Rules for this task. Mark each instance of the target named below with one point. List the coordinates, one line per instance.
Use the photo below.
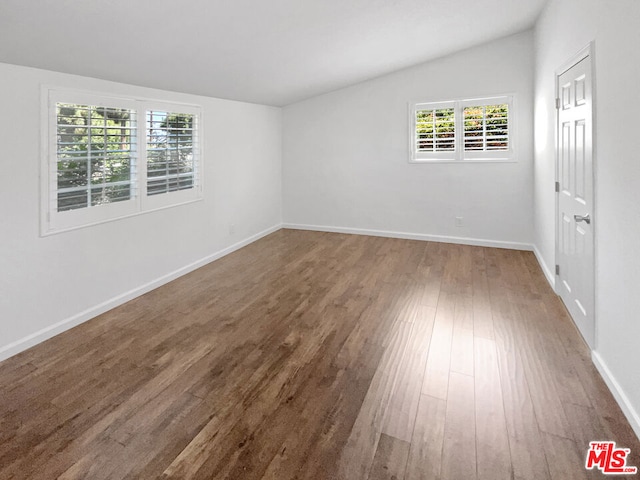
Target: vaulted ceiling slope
(273, 52)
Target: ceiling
(272, 52)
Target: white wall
(345, 154)
(48, 284)
(563, 29)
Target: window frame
(53, 221)
(421, 156)
(459, 155)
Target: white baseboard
(551, 278)
(618, 393)
(479, 242)
(29, 341)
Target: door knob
(580, 218)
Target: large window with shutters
(479, 129)
(109, 158)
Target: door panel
(575, 248)
(566, 159)
(580, 190)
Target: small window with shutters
(470, 130)
(108, 158)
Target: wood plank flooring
(313, 355)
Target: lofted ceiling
(272, 52)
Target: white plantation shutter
(435, 130)
(96, 156)
(171, 152)
(434, 133)
(486, 127)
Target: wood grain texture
(425, 455)
(390, 461)
(459, 446)
(492, 440)
(324, 356)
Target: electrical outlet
(459, 222)
(232, 229)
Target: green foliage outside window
(95, 149)
(486, 128)
(435, 130)
(170, 161)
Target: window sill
(48, 230)
(476, 160)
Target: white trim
(478, 242)
(114, 219)
(583, 53)
(548, 273)
(18, 346)
(618, 393)
(477, 160)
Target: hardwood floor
(318, 356)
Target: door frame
(587, 51)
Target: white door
(575, 227)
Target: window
(486, 128)
(463, 130)
(170, 160)
(435, 129)
(109, 158)
(95, 148)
